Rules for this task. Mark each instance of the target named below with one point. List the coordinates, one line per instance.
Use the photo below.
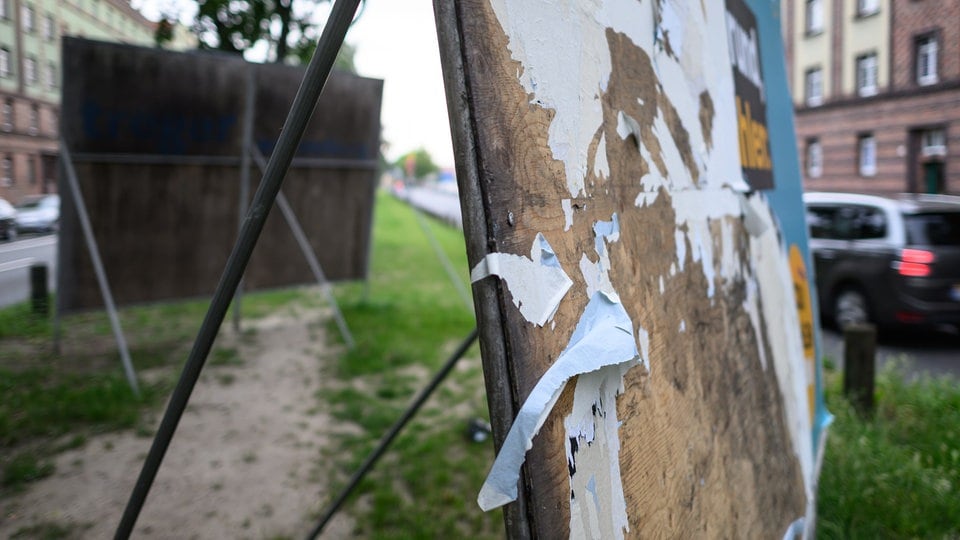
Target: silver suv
(892, 261)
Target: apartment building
(30, 32)
(876, 88)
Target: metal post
(39, 302)
(303, 105)
(98, 266)
(444, 260)
(304, 243)
(392, 434)
(248, 112)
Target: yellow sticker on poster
(801, 290)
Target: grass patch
(23, 468)
(20, 320)
(406, 325)
(896, 475)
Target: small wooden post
(859, 360)
(38, 290)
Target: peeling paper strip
(603, 337)
(537, 284)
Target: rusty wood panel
(705, 449)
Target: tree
(417, 163)
(286, 26)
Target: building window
(868, 155)
(8, 114)
(927, 48)
(814, 158)
(814, 13)
(6, 171)
(4, 12)
(30, 70)
(32, 170)
(4, 62)
(48, 26)
(34, 119)
(51, 76)
(867, 75)
(814, 87)
(933, 142)
(867, 7)
(28, 22)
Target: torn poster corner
(537, 284)
(603, 337)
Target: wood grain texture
(704, 449)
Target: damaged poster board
(632, 210)
(157, 139)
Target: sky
(397, 42)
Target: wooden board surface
(706, 422)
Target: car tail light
(915, 262)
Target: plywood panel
(604, 140)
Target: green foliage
(421, 160)
(896, 475)
(19, 320)
(23, 468)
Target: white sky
(395, 41)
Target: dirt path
(246, 461)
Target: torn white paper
(603, 337)
(537, 284)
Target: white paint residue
(662, 286)
(646, 198)
(537, 284)
(567, 207)
(597, 505)
(627, 126)
(681, 239)
(751, 304)
(601, 167)
(597, 274)
(603, 337)
(683, 326)
(771, 269)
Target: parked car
(38, 213)
(891, 261)
(8, 221)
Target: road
(934, 353)
(441, 204)
(15, 261)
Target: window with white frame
(4, 13)
(28, 18)
(867, 7)
(814, 87)
(814, 16)
(867, 74)
(48, 27)
(51, 76)
(933, 142)
(34, 119)
(4, 62)
(6, 171)
(868, 154)
(814, 158)
(30, 70)
(927, 48)
(7, 114)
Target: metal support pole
(98, 266)
(392, 434)
(300, 112)
(307, 250)
(248, 112)
(444, 260)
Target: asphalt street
(16, 258)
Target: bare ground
(247, 460)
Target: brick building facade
(876, 86)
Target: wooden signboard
(630, 217)
(157, 139)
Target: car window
(820, 220)
(933, 228)
(869, 223)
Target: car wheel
(850, 306)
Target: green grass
(896, 475)
(406, 326)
